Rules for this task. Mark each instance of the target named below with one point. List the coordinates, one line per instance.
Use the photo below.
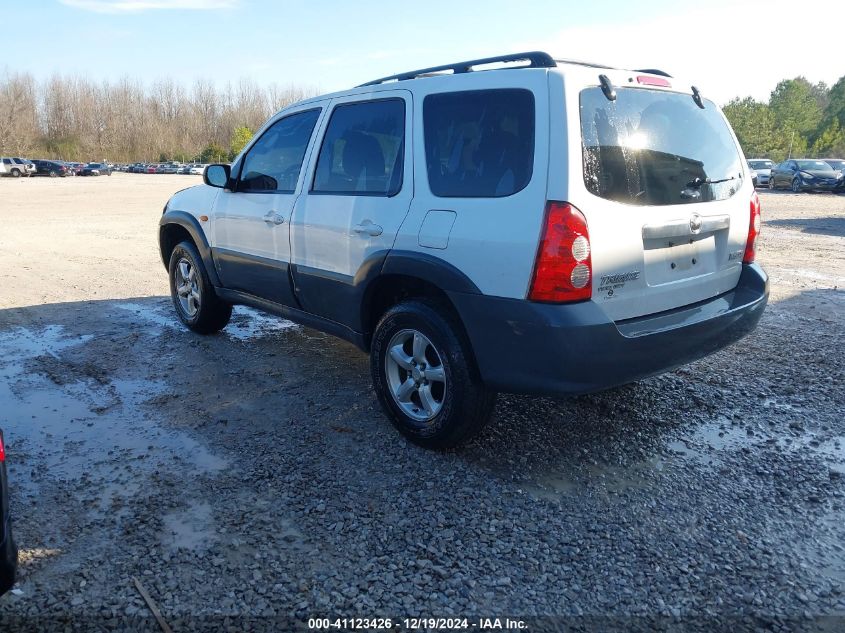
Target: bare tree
(74, 118)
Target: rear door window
(362, 152)
(651, 147)
(479, 143)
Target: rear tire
(425, 377)
(196, 303)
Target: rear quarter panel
(492, 240)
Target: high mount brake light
(563, 269)
(753, 230)
(653, 81)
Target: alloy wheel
(416, 375)
(187, 287)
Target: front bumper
(535, 348)
(818, 186)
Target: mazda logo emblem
(695, 223)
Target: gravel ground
(252, 475)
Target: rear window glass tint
(480, 143)
(651, 147)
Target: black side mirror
(216, 175)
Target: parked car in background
(96, 169)
(151, 169)
(167, 169)
(838, 164)
(763, 167)
(8, 549)
(16, 167)
(197, 169)
(753, 174)
(804, 174)
(184, 169)
(52, 168)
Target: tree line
(78, 119)
(800, 119)
(75, 118)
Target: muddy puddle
(64, 421)
(246, 323)
(709, 445)
(712, 443)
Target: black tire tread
(214, 314)
(474, 405)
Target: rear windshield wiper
(697, 182)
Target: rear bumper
(525, 347)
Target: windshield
(836, 164)
(814, 165)
(760, 164)
(651, 147)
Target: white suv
(545, 227)
(15, 167)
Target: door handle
(368, 228)
(274, 218)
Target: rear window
(479, 143)
(651, 147)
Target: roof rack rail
(537, 59)
(653, 71)
(579, 62)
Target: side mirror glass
(216, 175)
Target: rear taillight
(2, 449)
(563, 270)
(753, 230)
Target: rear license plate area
(668, 260)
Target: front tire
(16, 173)
(194, 299)
(425, 377)
(796, 185)
(771, 184)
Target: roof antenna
(607, 88)
(696, 96)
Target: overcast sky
(725, 48)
